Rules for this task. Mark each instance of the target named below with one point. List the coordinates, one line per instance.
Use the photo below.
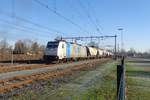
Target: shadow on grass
(138, 73)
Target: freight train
(63, 51)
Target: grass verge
(138, 81)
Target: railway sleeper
(37, 77)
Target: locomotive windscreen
(52, 44)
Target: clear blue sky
(132, 15)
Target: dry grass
(19, 57)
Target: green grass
(138, 81)
(105, 91)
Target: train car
(82, 53)
(100, 53)
(93, 51)
(55, 50)
(62, 50)
(107, 53)
(104, 53)
(110, 54)
(76, 51)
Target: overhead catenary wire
(96, 19)
(23, 26)
(25, 35)
(24, 29)
(98, 26)
(89, 16)
(78, 13)
(31, 22)
(60, 15)
(55, 6)
(13, 7)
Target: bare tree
(20, 47)
(28, 43)
(4, 45)
(4, 49)
(35, 47)
(131, 52)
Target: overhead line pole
(122, 44)
(115, 47)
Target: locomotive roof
(74, 43)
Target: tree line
(30, 47)
(133, 53)
(21, 47)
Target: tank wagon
(62, 51)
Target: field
(138, 79)
(98, 82)
(83, 80)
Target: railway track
(23, 67)
(10, 68)
(20, 81)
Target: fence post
(122, 61)
(121, 81)
(119, 72)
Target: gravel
(38, 70)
